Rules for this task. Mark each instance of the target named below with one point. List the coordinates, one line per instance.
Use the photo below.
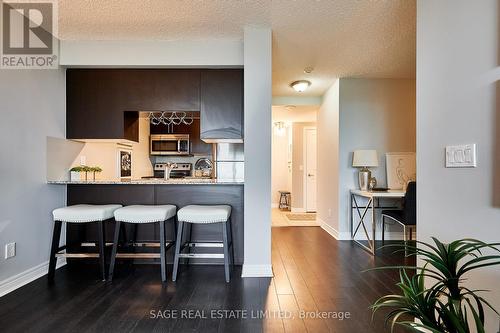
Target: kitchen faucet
(168, 169)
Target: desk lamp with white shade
(364, 159)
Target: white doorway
(310, 172)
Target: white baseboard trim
(333, 232)
(392, 235)
(328, 228)
(298, 210)
(338, 235)
(257, 271)
(23, 278)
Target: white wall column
(458, 103)
(257, 56)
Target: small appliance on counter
(180, 170)
(203, 168)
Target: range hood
(222, 140)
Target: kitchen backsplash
(230, 161)
(177, 159)
(64, 154)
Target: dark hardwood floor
(313, 273)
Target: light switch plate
(10, 250)
(461, 156)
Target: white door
(310, 169)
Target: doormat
(301, 217)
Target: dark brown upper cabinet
(222, 105)
(104, 103)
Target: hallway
(313, 272)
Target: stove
(181, 171)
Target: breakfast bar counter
(157, 192)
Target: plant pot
(74, 176)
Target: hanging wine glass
(182, 116)
(165, 119)
(154, 119)
(174, 118)
(188, 120)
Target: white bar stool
(198, 214)
(80, 214)
(141, 214)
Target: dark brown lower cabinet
(179, 195)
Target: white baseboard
(298, 210)
(343, 235)
(257, 271)
(333, 232)
(23, 278)
(392, 235)
(328, 228)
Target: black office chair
(407, 216)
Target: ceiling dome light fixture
(308, 70)
(300, 86)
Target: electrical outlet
(10, 250)
(83, 160)
(329, 212)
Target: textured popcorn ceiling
(339, 38)
(298, 113)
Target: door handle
(310, 175)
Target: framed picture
(401, 169)
(124, 162)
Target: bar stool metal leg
(178, 242)
(162, 252)
(383, 229)
(231, 243)
(189, 239)
(226, 250)
(56, 235)
(102, 244)
(114, 250)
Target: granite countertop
(191, 181)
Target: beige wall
(64, 154)
(458, 103)
(281, 155)
(105, 155)
(298, 165)
(328, 159)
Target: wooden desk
(372, 198)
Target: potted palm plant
(443, 304)
(94, 170)
(74, 173)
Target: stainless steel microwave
(169, 144)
